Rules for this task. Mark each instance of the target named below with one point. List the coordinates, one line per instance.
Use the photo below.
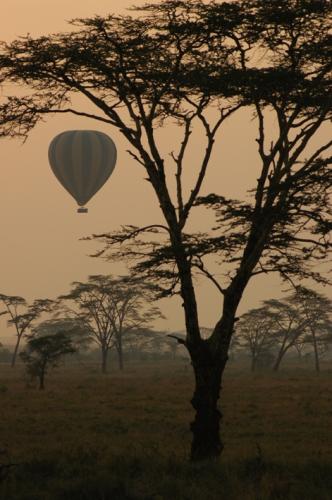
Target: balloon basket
(82, 210)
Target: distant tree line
(103, 311)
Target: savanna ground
(126, 436)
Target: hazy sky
(40, 252)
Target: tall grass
(126, 436)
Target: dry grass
(125, 436)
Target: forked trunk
(206, 440)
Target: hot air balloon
(82, 161)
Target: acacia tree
(316, 309)
(302, 318)
(132, 309)
(43, 352)
(22, 315)
(109, 308)
(289, 325)
(256, 332)
(175, 63)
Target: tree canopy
(44, 352)
(108, 308)
(22, 315)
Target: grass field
(125, 436)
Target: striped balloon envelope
(82, 161)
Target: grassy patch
(126, 436)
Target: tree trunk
(41, 381)
(15, 351)
(277, 362)
(104, 353)
(314, 341)
(120, 353)
(253, 363)
(208, 369)
(280, 356)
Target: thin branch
(136, 158)
(200, 265)
(78, 113)
(317, 153)
(179, 163)
(180, 341)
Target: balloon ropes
(82, 161)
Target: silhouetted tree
(45, 352)
(289, 325)
(256, 333)
(110, 307)
(132, 309)
(196, 64)
(22, 315)
(302, 318)
(316, 310)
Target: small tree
(45, 352)
(256, 333)
(22, 315)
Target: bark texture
(208, 369)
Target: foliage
(22, 320)
(44, 352)
(108, 308)
(317, 309)
(300, 319)
(256, 333)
